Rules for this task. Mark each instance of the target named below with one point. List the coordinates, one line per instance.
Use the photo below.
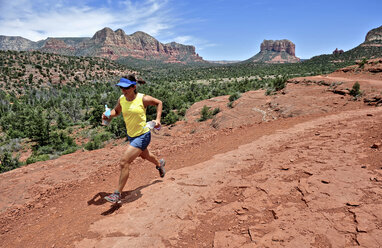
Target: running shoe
(114, 198)
(160, 168)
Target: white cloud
(190, 40)
(38, 20)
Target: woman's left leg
(159, 164)
(146, 154)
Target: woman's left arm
(151, 101)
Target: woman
(133, 106)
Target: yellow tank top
(134, 115)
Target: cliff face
(275, 51)
(16, 43)
(374, 36)
(110, 44)
(142, 46)
(278, 46)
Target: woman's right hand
(104, 117)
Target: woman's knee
(124, 163)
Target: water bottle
(107, 114)
(151, 125)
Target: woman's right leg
(130, 154)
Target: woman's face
(128, 90)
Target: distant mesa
(278, 46)
(110, 44)
(276, 51)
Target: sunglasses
(126, 88)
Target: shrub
(355, 91)
(93, 144)
(362, 63)
(234, 96)
(97, 141)
(33, 159)
(170, 118)
(216, 111)
(279, 83)
(7, 162)
(205, 113)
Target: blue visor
(123, 82)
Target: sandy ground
(301, 168)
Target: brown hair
(131, 77)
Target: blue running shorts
(142, 141)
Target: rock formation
(140, 45)
(278, 46)
(53, 45)
(374, 35)
(110, 44)
(275, 51)
(16, 43)
(336, 52)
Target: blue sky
(219, 29)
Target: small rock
(376, 145)
(308, 172)
(218, 201)
(240, 212)
(274, 214)
(376, 179)
(325, 181)
(251, 234)
(363, 166)
(284, 167)
(353, 204)
(369, 115)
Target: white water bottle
(107, 114)
(151, 125)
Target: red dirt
(301, 168)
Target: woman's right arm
(114, 112)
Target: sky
(219, 29)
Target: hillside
(371, 48)
(27, 70)
(256, 175)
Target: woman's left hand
(158, 124)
